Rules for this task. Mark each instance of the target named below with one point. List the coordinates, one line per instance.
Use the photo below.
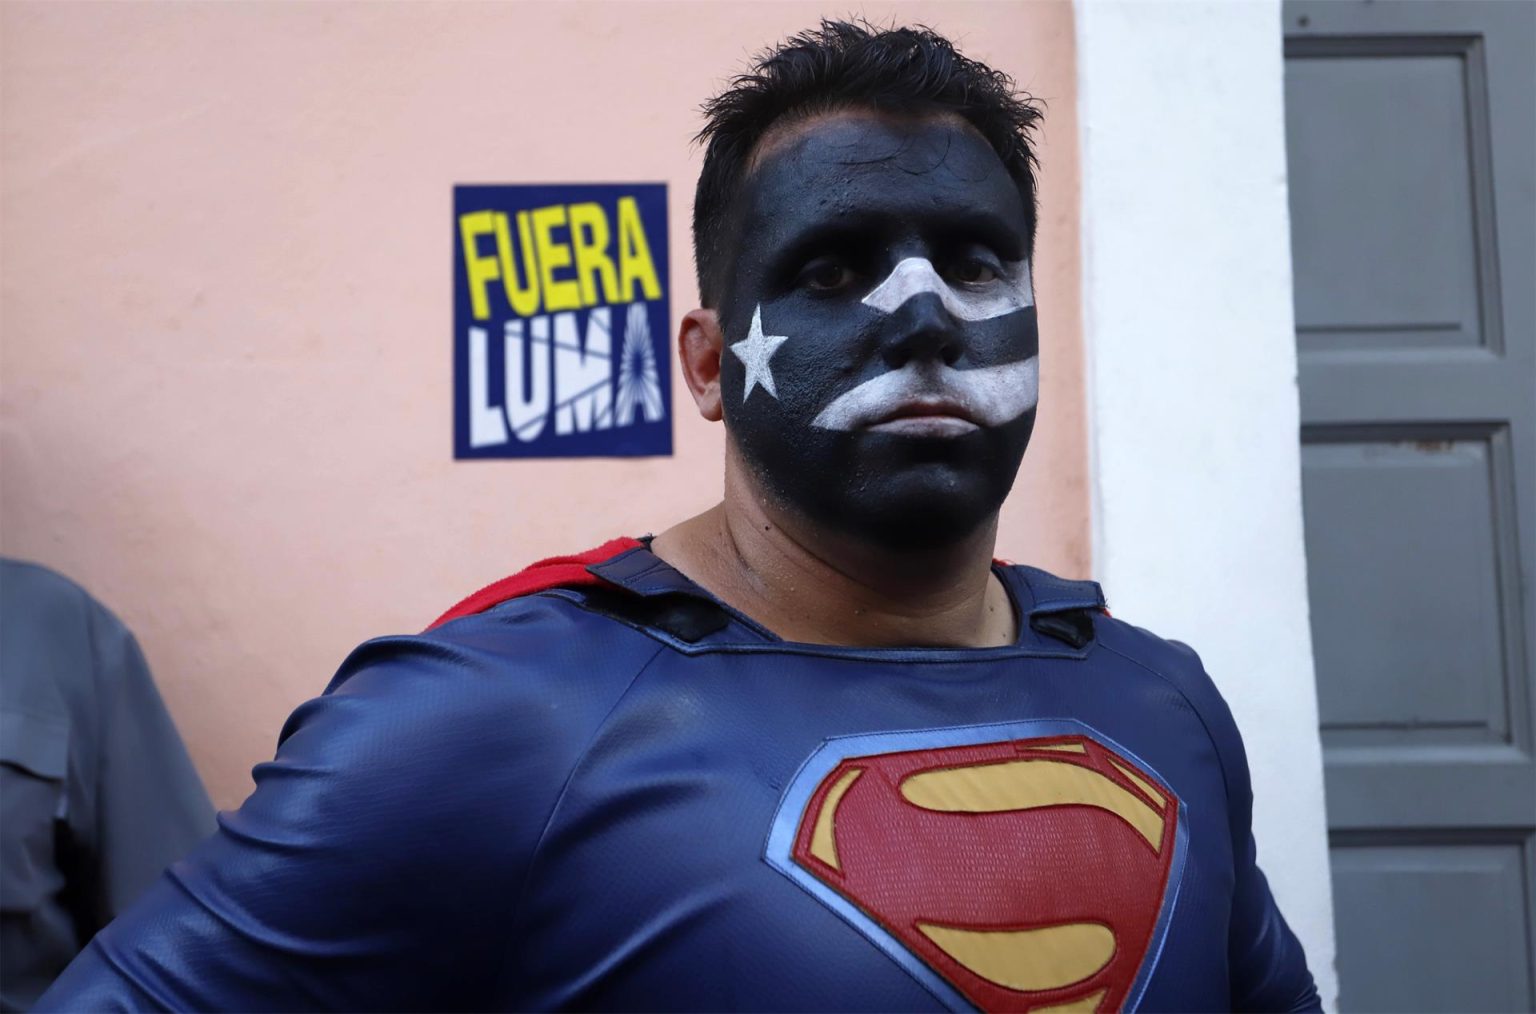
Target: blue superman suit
(623, 796)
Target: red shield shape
(1029, 874)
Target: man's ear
(699, 347)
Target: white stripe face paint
(915, 276)
(988, 395)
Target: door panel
(1425, 668)
(1436, 906)
(1396, 124)
(1412, 146)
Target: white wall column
(1192, 396)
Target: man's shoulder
(540, 647)
(1046, 594)
(510, 697)
(1171, 663)
(1171, 660)
(535, 658)
(1179, 667)
(573, 570)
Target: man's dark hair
(845, 65)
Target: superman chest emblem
(1023, 867)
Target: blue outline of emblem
(779, 850)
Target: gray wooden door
(1413, 204)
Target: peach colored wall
(225, 382)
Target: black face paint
(880, 370)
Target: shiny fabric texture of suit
(624, 796)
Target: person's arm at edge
(150, 805)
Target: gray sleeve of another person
(97, 793)
(151, 807)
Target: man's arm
(1268, 968)
(376, 866)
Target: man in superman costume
(811, 750)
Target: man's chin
(924, 508)
(894, 490)
(928, 498)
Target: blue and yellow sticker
(560, 321)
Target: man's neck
(809, 586)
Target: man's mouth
(934, 416)
(929, 399)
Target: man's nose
(922, 329)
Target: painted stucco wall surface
(225, 377)
(1192, 389)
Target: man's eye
(973, 271)
(826, 276)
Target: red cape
(555, 572)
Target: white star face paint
(754, 352)
(915, 276)
(985, 396)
